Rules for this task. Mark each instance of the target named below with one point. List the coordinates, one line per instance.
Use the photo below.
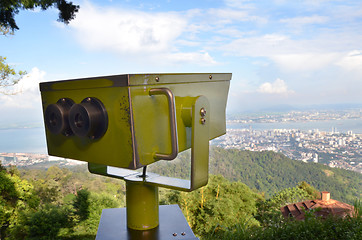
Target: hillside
(270, 172)
(66, 203)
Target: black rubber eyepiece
(56, 117)
(89, 118)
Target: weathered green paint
(199, 155)
(115, 148)
(200, 144)
(151, 120)
(138, 124)
(83, 84)
(175, 78)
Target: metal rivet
(174, 234)
(202, 112)
(63, 99)
(157, 79)
(183, 233)
(210, 77)
(89, 99)
(203, 120)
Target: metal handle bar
(173, 125)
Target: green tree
(89, 206)
(8, 9)
(219, 204)
(8, 76)
(81, 204)
(16, 196)
(48, 191)
(5, 31)
(47, 222)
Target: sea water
(32, 140)
(23, 140)
(341, 126)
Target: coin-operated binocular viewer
(122, 123)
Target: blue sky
(280, 52)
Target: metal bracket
(199, 156)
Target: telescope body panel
(114, 147)
(151, 116)
(137, 124)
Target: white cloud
(276, 87)
(305, 43)
(265, 45)
(298, 21)
(201, 58)
(27, 95)
(134, 33)
(304, 62)
(352, 61)
(229, 14)
(231, 32)
(299, 25)
(223, 16)
(127, 31)
(298, 54)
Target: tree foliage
(66, 203)
(16, 196)
(8, 10)
(8, 76)
(269, 172)
(5, 31)
(311, 228)
(81, 204)
(220, 203)
(47, 222)
(54, 203)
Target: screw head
(174, 234)
(203, 120)
(202, 112)
(210, 76)
(183, 233)
(157, 79)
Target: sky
(279, 52)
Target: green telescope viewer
(130, 121)
(124, 122)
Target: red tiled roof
(323, 208)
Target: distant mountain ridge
(270, 172)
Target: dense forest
(241, 200)
(269, 172)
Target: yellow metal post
(142, 205)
